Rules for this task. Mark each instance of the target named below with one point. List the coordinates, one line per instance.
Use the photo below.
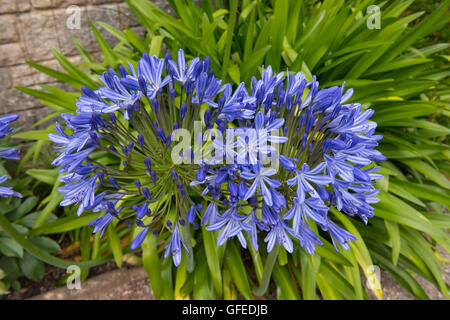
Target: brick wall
(29, 28)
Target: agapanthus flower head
(7, 153)
(270, 160)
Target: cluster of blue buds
(291, 153)
(7, 153)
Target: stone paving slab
(120, 284)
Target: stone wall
(29, 28)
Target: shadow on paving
(120, 284)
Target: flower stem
(267, 273)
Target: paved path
(120, 284)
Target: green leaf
(58, 75)
(327, 291)
(403, 63)
(83, 52)
(117, 33)
(257, 262)
(271, 260)
(336, 279)
(431, 23)
(42, 255)
(85, 249)
(136, 41)
(114, 245)
(277, 32)
(255, 59)
(26, 206)
(65, 224)
(393, 209)
(326, 250)
(360, 251)
(46, 244)
(403, 111)
(31, 267)
(390, 32)
(33, 135)
(73, 70)
(234, 73)
(155, 45)
(400, 191)
(188, 286)
(180, 279)
(230, 32)
(439, 220)
(109, 55)
(10, 248)
(429, 172)
(48, 176)
(360, 46)
(285, 282)
(401, 276)
(167, 278)
(30, 219)
(10, 266)
(202, 288)
(55, 200)
(234, 264)
(309, 268)
(212, 258)
(394, 236)
(422, 248)
(152, 266)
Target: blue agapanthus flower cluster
(266, 162)
(7, 153)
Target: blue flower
(75, 149)
(340, 235)
(120, 96)
(179, 72)
(9, 153)
(307, 238)
(174, 246)
(231, 224)
(279, 234)
(326, 148)
(191, 215)
(142, 210)
(90, 102)
(313, 208)
(6, 192)
(252, 143)
(261, 177)
(251, 224)
(223, 150)
(81, 191)
(151, 68)
(136, 243)
(304, 176)
(207, 88)
(235, 105)
(100, 224)
(4, 124)
(211, 214)
(267, 84)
